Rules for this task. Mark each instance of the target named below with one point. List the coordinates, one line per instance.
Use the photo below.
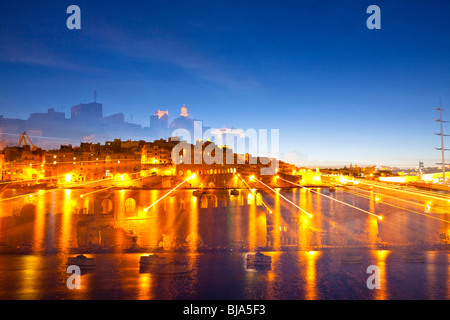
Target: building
(115, 160)
(159, 124)
(86, 124)
(187, 128)
(22, 164)
(156, 157)
(87, 112)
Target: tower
(184, 111)
(442, 141)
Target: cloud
(99, 49)
(158, 47)
(25, 52)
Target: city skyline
(219, 155)
(239, 65)
(152, 131)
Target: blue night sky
(337, 91)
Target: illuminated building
(118, 161)
(156, 157)
(22, 163)
(91, 162)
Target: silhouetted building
(184, 124)
(50, 115)
(87, 124)
(87, 111)
(159, 123)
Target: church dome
(183, 122)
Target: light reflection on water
(294, 275)
(239, 225)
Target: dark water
(294, 275)
(48, 221)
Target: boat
(151, 262)
(157, 264)
(414, 257)
(350, 258)
(331, 189)
(82, 261)
(288, 190)
(174, 267)
(234, 192)
(258, 261)
(150, 259)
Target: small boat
(151, 263)
(350, 258)
(150, 260)
(288, 190)
(82, 261)
(414, 257)
(234, 192)
(258, 261)
(174, 267)
(331, 189)
(157, 264)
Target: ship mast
(442, 141)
